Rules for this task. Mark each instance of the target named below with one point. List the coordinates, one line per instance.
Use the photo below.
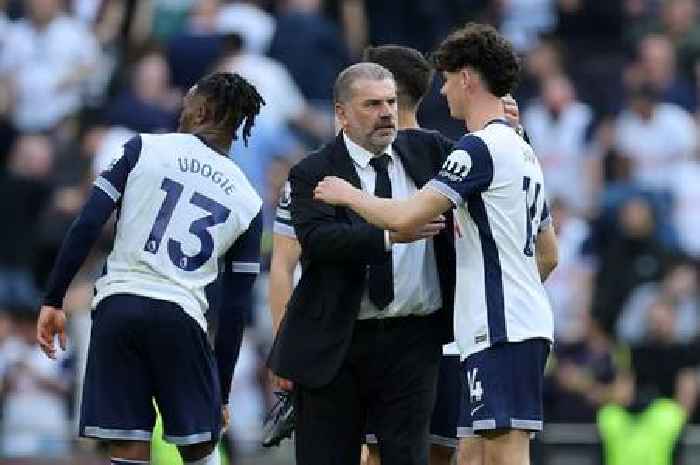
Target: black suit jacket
(337, 245)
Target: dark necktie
(381, 276)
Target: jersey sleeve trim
(443, 189)
(105, 186)
(284, 229)
(283, 213)
(245, 267)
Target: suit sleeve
(86, 229)
(322, 235)
(241, 268)
(467, 170)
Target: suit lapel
(343, 167)
(417, 165)
(342, 163)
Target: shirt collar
(361, 156)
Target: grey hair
(342, 91)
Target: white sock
(211, 459)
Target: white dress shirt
(416, 285)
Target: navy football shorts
(143, 349)
(503, 387)
(443, 424)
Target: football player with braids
(186, 243)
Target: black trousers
(389, 375)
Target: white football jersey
(180, 206)
(495, 182)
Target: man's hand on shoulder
(52, 322)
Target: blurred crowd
(609, 99)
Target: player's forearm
(545, 267)
(547, 253)
(383, 213)
(281, 285)
(403, 216)
(81, 236)
(229, 335)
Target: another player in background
(504, 240)
(187, 241)
(413, 75)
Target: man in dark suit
(363, 330)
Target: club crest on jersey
(457, 165)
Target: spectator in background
(524, 21)
(678, 290)
(655, 136)
(193, 51)
(543, 62)
(583, 378)
(686, 204)
(569, 285)
(592, 31)
(150, 104)
(159, 20)
(275, 84)
(412, 23)
(656, 66)
(45, 60)
(287, 107)
(250, 21)
(303, 32)
(35, 394)
(558, 125)
(24, 193)
(661, 357)
(678, 21)
(629, 257)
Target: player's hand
(424, 232)
(334, 191)
(225, 418)
(280, 384)
(510, 107)
(51, 323)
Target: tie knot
(380, 163)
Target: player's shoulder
(496, 140)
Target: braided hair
(233, 99)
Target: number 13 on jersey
(200, 227)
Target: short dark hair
(483, 48)
(234, 101)
(362, 70)
(412, 71)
